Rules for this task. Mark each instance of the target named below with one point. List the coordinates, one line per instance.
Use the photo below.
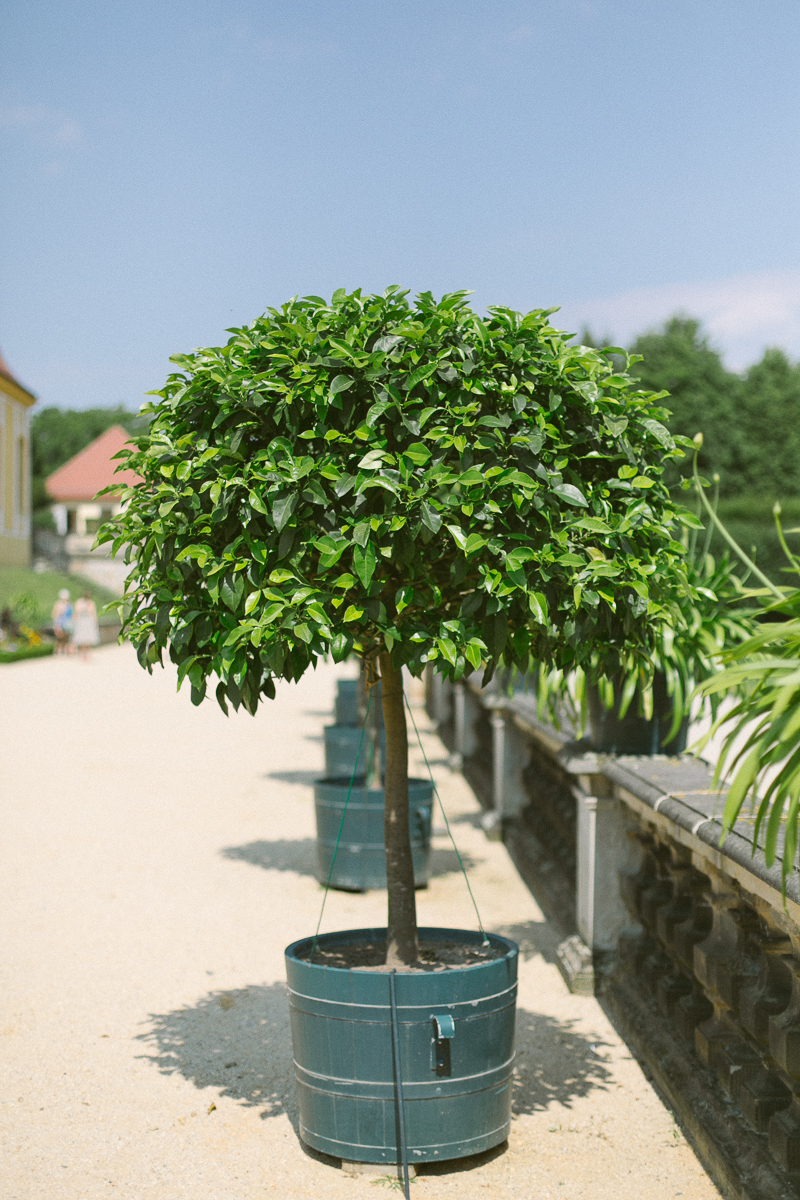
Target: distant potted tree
(415, 484)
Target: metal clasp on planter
(444, 1028)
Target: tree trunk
(402, 947)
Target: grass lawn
(28, 652)
(31, 595)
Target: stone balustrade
(689, 944)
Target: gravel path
(156, 860)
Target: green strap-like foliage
(367, 474)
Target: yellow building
(15, 471)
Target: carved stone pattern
(722, 965)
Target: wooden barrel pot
(456, 1052)
(346, 751)
(360, 863)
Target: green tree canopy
(367, 475)
(703, 395)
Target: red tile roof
(92, 469)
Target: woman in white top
(85, 629)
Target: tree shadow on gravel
(284, 854)
(308, 778)
(238, 1042)
(532, 937)
(555, 1063)
(300, 855)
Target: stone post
(509, 756)
(465, 711)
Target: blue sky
(172, 169)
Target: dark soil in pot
(434, 956)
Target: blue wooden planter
(361, 859)
(346, 703)
(456, 1052)
(342, 745)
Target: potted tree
(416, 484)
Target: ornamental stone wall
(688, 945)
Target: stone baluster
(712, 1035)
(656, 964)
(770, 994)
(679, 907)
(759, 1091)
(784, 1044)
(698, 925)
(660, 890)
(673, 986)
(632, 882)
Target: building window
(72, 523)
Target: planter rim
(360, 784)
(426, 933)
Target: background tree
(768, 459)
(703, 395)
(418, 485)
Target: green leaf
(232, 590)
(200, 553)
(684, 517)
(417, 452)
(459, 536)
(282, 510)
(373, 459)
(364, 560)
(430, 517)
(361, 533)
(344, 485)
(251, 602)
(568, 492)
(660, 433)
(341, 646)
(474, 653)
(448, 649)
(353, 613)
(340, 383)
(421, 373)
(537, 603)
(593, 525)
(518, 556)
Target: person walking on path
(62, 621)
(85, 630)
